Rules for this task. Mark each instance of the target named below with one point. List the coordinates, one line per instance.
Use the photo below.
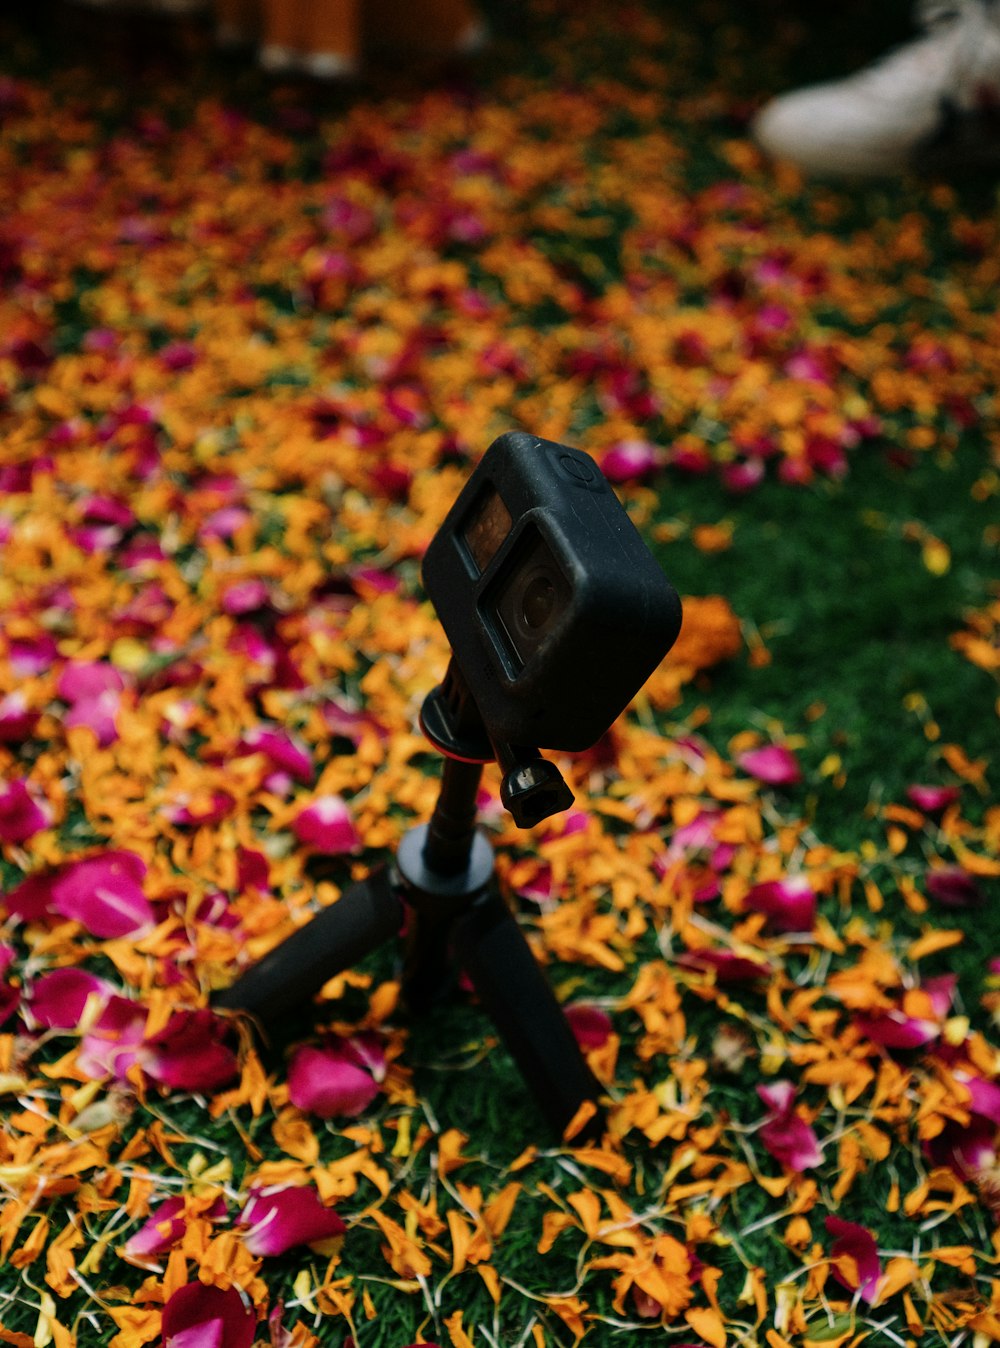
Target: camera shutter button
(579, 468)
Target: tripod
(440, 893)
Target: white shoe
(275, 59)
(328, 65)
(876, 121)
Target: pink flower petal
(189, 1054)
(32, 898)
(283, 1216)
(86, 680)
(789, 904)
(252, 870)
(97, 714)
(115, 1043)
(327, 826)
(773, 764)
(17, 722)
(591, 1026)
(225, 522)
(970, 1150)
(984, 1097)
(628, 460)
(857, 1244)
(32, 655)
(21, 816)
(197, 1316)
(104, 894)
(283, 750)
(163, 1228)
(743, 476)
(894, 1029)
(57, 1000)
(932, 799)
(540, 888)
(341, 1078)
(191, 812)
(953, 887)
(728, 967)
(788, 1138)
(246, 596)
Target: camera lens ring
(538, 602)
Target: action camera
(555, 609)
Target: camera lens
(527, 604)
(538, 601)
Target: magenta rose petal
(282, 1216)
(858, 1244)
(286, 752)
(21, 816)
(787, 1137)
(932, 799)
(32, 898)
(189, 1054)
(104, 894)
(197, 1316)
(591, 1026)
(789, 904)
(165, 1226)
(953, 887)
(774, 765)
(727, 966)
(327, 826)
(115, 1043)
(57, 1000)
(340, 1079)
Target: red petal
(282, 1217)
(858, 1244)
(330, 1081)
(104, 894)
(197, 1316)
(790, 904)
(773, 764)
(57, 999)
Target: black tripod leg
(519, 999)
(363, 918)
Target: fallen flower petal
(728, 967)
(591, 1025)
(21, 816)
(629, 460)
(190, 1054)
(341, 1078)
(790, 904)
(57, 1000)
(932, 799)
(165, 1226)
(284, 751)
(200, 1316)
(786, 1135)
(280, 1217)
(326, 825)
(855, 1257)
(104, 894)
(774, 765)
(953, 887)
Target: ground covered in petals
(252, 341)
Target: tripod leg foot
(519, 999)
(364, 917)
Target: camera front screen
(486, 528)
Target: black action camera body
(555, 609)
